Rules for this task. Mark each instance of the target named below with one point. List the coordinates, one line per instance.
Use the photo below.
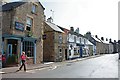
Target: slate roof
(10, 6)
(54, 27)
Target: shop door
(9, 50)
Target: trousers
(23, 64)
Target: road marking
(52, 68)
(33, 71)
(49, 63)
(41, 69)
(2, 72)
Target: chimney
(50, 20)
(72, 29)
(88, 34)
(77, 30)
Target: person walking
(23, 59)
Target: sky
(100, 17)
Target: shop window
(28, 47)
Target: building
(76, 44)
(53, 49)
(94, 41)
(22, 30)
(65, 42)
(90, 48)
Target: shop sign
(19, 26)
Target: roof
(11, 5)
(90, 43)
(54, 27)
(96, 39)
(107, 42)
(64, 29)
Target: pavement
(42, 65)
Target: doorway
(12, 55)
(66, 58)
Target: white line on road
(33, 71)
(49, 63)
(2, 72)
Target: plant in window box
(29, 33)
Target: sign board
(19, 26)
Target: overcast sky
(100, 17)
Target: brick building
(22, 30)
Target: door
(81, 51)
(9, 50)
(66, 58)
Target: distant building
(79, 45)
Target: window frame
(34, 8)
(32, 27)
(28, 46)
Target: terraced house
(22, 30)
(78, 45)
(53, 43)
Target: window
(75, 50)
(28, 47)
(75, 39)
(60, 38)
(84, 41)
(80, 40)
(34, 7)
(60, 52)
(29, 23)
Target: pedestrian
(23, 59)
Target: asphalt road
(100, 67)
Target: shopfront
(13, 45)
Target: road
(105, 66)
